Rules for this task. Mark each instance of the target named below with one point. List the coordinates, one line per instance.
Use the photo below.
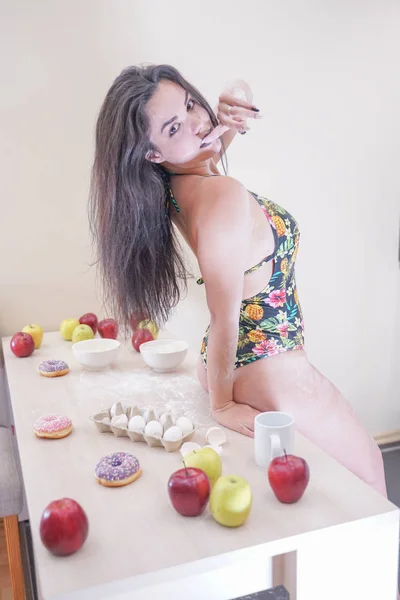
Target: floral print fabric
(271, 322)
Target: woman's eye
(174, 129)
(176, 126)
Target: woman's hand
(234, 109)
(235, 105)
(239, 417)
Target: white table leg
(354, 561)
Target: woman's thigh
(288, 382)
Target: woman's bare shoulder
(217, 193)
(210, 204)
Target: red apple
(108, 328)
(89, 319)
(63, 527)
(288, 476)
(140, 336)
(135, 319)
(22, 344)
(189, 490)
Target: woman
(158, 143)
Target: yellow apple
(36, 332)
(206, 459)
(230, 500)
(151, 326)
(67, 328)
(82, 332)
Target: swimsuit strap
(169, 197)
(174, 202)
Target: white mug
(273, 436)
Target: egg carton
(103, 422)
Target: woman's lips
(203, 143)
(214, 134)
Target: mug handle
(276, 448)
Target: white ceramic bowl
(97, 353)
(164, 355)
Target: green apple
(151, 326)
(82, 332)
(36, 332)
(67, 328)
(207, 460)
(230, 500)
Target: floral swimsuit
(270, 322)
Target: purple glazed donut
(53, 368)
(119, 468)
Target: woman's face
(177, 127)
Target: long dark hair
(140, 260)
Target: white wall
(325, 75)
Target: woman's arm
(224, 230)
(222, 245)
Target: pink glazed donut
(52, 427)
(117, 469)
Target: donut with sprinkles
(52, 427)
(117, 469)
(53, 368)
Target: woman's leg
(288, 382)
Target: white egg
(106, 421)
(154, 429)
(173, 434)
(185, 425)
(137, 423)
